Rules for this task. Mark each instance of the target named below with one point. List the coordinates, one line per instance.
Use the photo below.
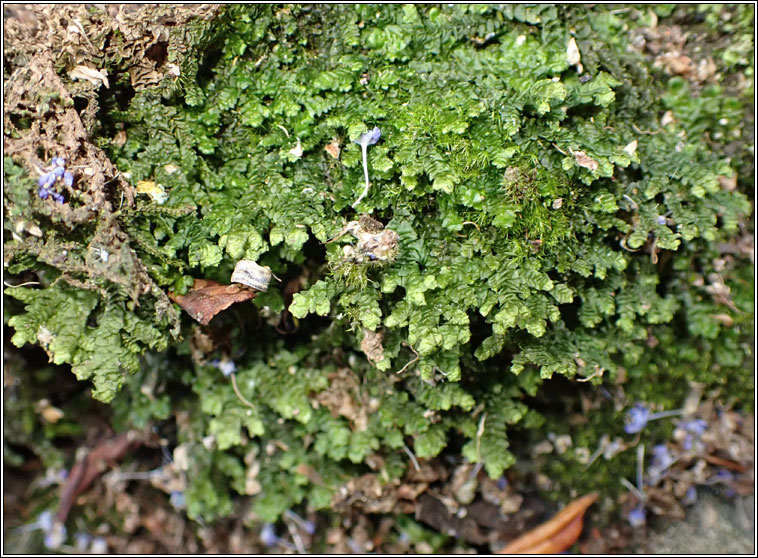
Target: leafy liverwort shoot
(366, 139)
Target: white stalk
(364, 150)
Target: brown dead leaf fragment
(333, 148)
(584, 160)
(557, 534)
(88, 469)
(208, 298)
(371, 345)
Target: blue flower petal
(636, 517)
(268, 535)
(636, 418)
(46, 180)
(68, 179)
(370, 137)
(59, 161)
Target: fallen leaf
(93, 465)
(555, 535)
(333, 149)
(728, 183)
(48, 412)
(584, 160)
(90, 74)
(156, 191)
(208, 298)
(677, 64)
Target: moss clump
(548, 223)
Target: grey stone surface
(714, 525)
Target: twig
(646, 131)
(640, 466)
(631, 488)
(479, 432)
(239, 395)
(411, 362)
(295, 537)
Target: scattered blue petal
(55, 536)
(696, 426)
(57, 197)
(636, 517)
(45, 520)
(662, 456)
(268, 535)
(722, 475)
(59, 161)
(46, 180)
(177, 499)
(68, 179)
(690, 497)
(661, 220)
(636, 418)
(309, 527)
(82, 541)
(502, 483)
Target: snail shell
(250, 274)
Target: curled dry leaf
(557, 534)
(208, 298)
(90, 74)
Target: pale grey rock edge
(714, 525)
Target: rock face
(714, 525)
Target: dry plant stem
(20, 284)
(534, 540)
(364, 150)
(412, 457)
(239, 395)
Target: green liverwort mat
(457, 202)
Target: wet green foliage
(548, 224)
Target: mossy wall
(557, 208)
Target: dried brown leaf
(333, 149)
(208, 298)
(556, 534)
